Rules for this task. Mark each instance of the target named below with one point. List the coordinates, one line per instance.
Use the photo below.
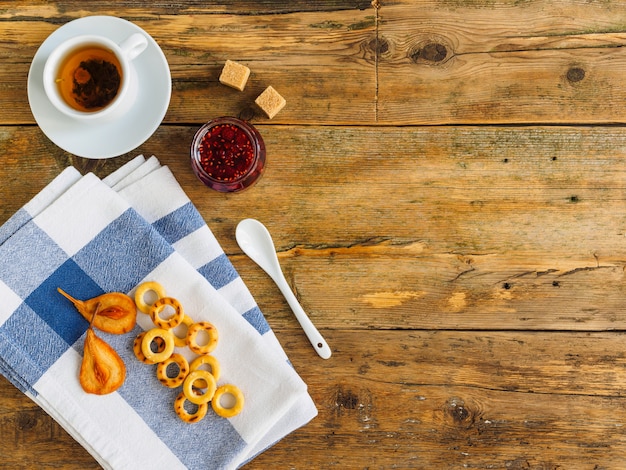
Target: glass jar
(228, 154)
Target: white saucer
(109, 138)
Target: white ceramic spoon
(256, 242)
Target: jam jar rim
(239, 183)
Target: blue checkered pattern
(41, 334)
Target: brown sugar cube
(270, 102)
(234, 75)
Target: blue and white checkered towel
(90, 236)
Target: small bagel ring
(191, 392)
(192, 334)
(142, 290)
(211, 361)
(183, 370)
(160, 345)
(179, 407)
(152, 335)
(159, 306)
(235, 409)
(182, 342)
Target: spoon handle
(317, 340)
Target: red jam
(228, 154)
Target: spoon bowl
(256, 242)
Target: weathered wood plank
(465, 227)
(425, 400)
(320, 61)
(16, 10)
(395, 64)
(462, 400)
(555, 62)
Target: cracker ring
(142, 290)
(183, 370)
(192, 333)
(235, 409)
(179, 407)
(160, 345)
(211, 361)
(182, 342)
(152, 335)
(194, 394)
(159, 306)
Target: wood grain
(490, 227)
(424, 400)
(513, 62)
(308, 56)
(441, 411)
(446, 192)
(441, 63)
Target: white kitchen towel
(90, 240)
(153, 191)
(158, 197)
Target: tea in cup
(89, 77)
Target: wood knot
(358, 404)
(247, 114)
(26, 421)
(378, 45)
(382, 45)
(575, 74)
(461, 414)
(430, 52)
(347, 399)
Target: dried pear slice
(102, 370)
(117, 311)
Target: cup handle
(134, 45)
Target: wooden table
(447, 190)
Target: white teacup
(91, 77)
